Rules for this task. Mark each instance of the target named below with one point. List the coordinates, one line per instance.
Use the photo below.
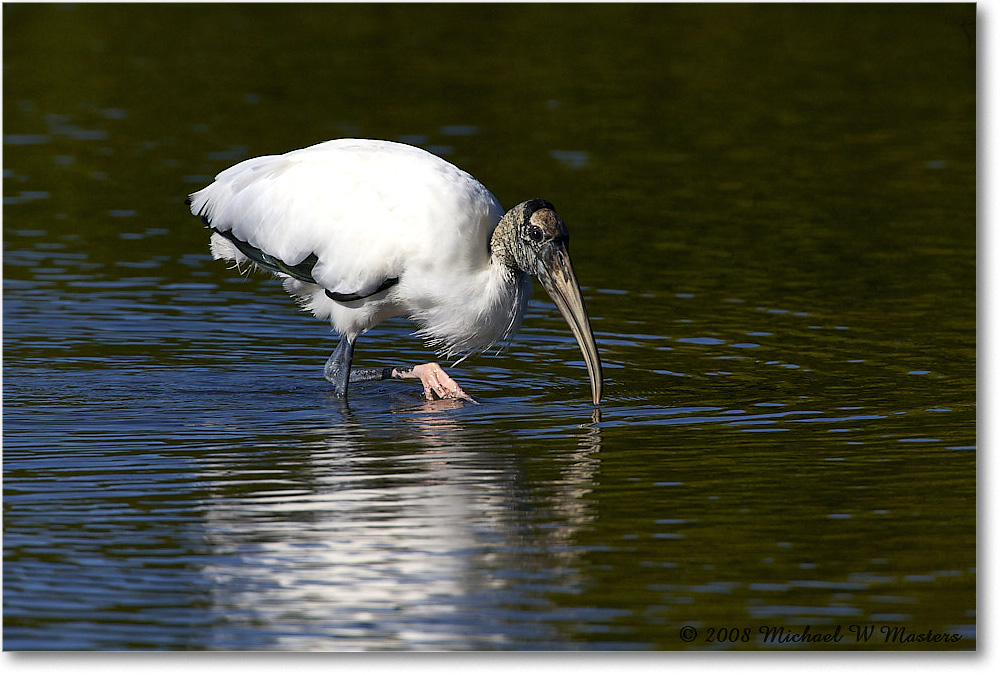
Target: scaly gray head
(531, 237)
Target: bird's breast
(468, 313)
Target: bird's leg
(338, 366)
(436, 382)
(371, 374)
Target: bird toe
(437, 383)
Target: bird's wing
(349, 215)
(301, 271)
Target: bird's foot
(436, 382)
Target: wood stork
(364, 230)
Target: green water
(773, 217)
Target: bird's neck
(502, 246)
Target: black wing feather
(301, 271)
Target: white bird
(364, 230)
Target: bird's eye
(535, 233)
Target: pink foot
(435, 381)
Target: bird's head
(531, 237)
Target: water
(773, 217)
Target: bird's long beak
(556, 274)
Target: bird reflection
(394, 536)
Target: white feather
(371, 211)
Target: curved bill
(556, 274)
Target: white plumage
(364, 230)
